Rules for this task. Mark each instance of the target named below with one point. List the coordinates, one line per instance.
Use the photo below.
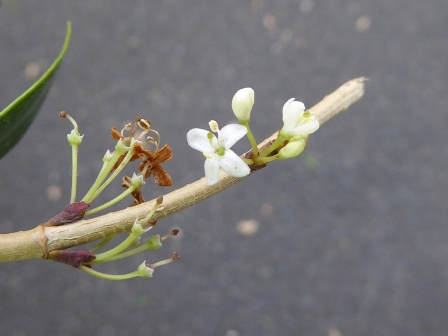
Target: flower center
(221, 151)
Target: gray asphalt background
(353, 235)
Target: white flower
(218, 152)
(296, 121)
(242, 103)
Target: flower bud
(242, 104)
(292, 149)
(73, 258)
(71, 213)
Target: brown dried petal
(115, 134)
(161, 177)
(164, 154)
(141, 166)
(138, 198)
(143, 153)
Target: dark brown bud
(73, 258)
(72, 212)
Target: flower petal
(309, 127)
(230, 134)
(197, 139)
(211, 168)
(161, 177)
(164, 154)
(233, 165)
(292, 110)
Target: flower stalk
(74, 139)
(138, 229)
(111, 277)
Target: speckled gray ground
(355, 245)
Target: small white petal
(306, 128)
(233, 165)
(197, 139)
(211, 168)
(292, 110)
(230, 134)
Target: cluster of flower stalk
(290, 142)
(128, 148)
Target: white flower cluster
(297, 125)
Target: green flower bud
(292, 149)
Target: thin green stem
(126, 254)
(101, 244)
(74, 172)
(103, 167)
(88, 198)
(251, 138)
(249, 162)
(103, 257)
(145, 220)
(117, 171)
(266, 159)
(273, 146)
(105, 276)
(136, 231)
(117, 199)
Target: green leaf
(17, 117)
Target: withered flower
(152, 163)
